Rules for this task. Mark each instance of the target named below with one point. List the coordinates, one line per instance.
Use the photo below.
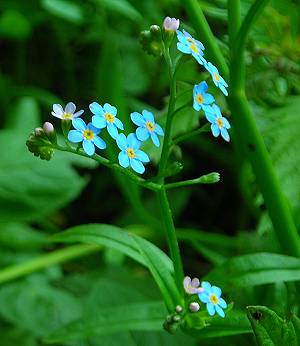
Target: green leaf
(14, 25)
(133, 246)
(124, 8)
(255, 269)
(67, 10)
(270, 329)
(144, 316)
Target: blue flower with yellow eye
(219, 124)
(106, 116)
(147, 127)
(130, 154)
(87, 134)
(217, 79)
(201, 98)
(212, 298)
(188, 45)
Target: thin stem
(204, 32)
(234, 19)
(167, 218)
(181, 138)
(45, 261)
(210, 178)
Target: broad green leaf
(270, 329)
(124, 8)
(144, 316)
(64, 9)
(296, 323)
(135, 247)
(14, 25)
(255, 269)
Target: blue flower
(87, 134)
(147, 127)
(219, 124)
(201, 98)
(212, 297)
(217, 79)
(188, 45)
(106, 117)
(130, 154)
(66, 114)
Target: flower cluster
(210, 295)
(106, 117)
(202, 100)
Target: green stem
(45, 261)
(210, 178)
(202, 28)
(249, 137)
(181, 138)
(167, 218)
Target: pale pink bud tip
(48, 127)
(178, 308)
(171, 24)
(194, 307)
(38, 131)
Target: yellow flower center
(220, 123)
(88, 134)
(216, 77)
(214, 299)
(194, 48)
(200, 98)
(150, 126)
(131, 153)
(109, 117)
(67, 115)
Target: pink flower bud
(194, 307)
(38, 131)
(48, 128)
(178, 308)
(171, 24)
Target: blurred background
(56, 51)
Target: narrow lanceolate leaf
(139, 249)
(270, 329)
(255, 269)
(145, 316)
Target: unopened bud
(151, 40)
(194, 307)
(38, 131)
(48, 128)
(178, 309)
(210, 178)
(171, 24)
(176, 318)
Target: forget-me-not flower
(66, 114)
(217, 79)
(192, 286)
(171, 24)
(147, 127)
(201, 98)
(212, 298)
(87, 134)
(219, 124)
(130, 154)
(188, 45)
(106, 116)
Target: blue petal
(203, 87)
(94, 129)
(183, 48)
(96, 108)
(187, 34)
(75, 136)
(79, 124)
(225, 134)
(182, 39)
(99, 142)
(222, 303)
(119, 123)
(123, 158)
(122, 141)
(88, 147)
(137, 166)
(155, 139)
(217, 291)
(133, 141)
(207, 286)
(112, 130)
(158, 130)
(208, 99)
(215, 130)
(211, 309)
(142, 133)
(210, 116)
(200, 44)
(148, 116)
(198, 57)
(217, 110)
(110, 109)
(197, 106)
(223, 89)
(226, 123)
(137, 119)
(204, 297)
(142, 156)
(220, 312)
(99, 121)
